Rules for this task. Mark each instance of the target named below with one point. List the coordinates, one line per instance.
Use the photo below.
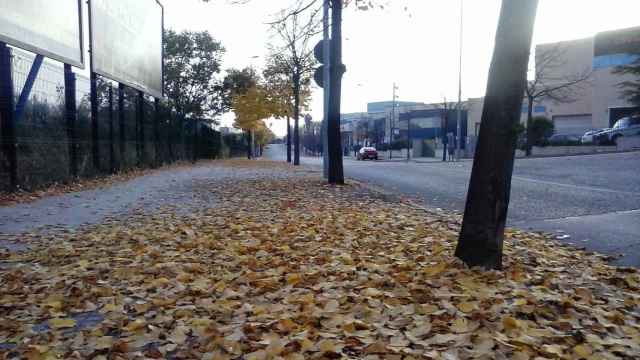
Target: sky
(417, 48)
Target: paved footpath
(171, 187)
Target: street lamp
(459, 112)
(393, 120)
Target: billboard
(126, 42)
(49, 28)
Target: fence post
(156, 130)
(71, 114)
(9, 142)
(121, 124)
(112, 155)
(95, 146)
(140, 126)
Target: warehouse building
(592, 104)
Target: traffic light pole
(326, 75)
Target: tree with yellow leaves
(279, 82)
(251, 108)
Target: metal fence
(49, 148)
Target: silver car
(627, 126)
(590, 136)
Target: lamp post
(393, 120)
(459, 112)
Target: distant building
(378, 125)
(598, 102)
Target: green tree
(238, 82)
(541, 130)
(630, 88)
(192, 63)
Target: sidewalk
(268, 262)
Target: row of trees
(197, 92)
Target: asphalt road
(590, 201)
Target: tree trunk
(296, 116)
(334, 151)
(444, 136)
(481, 238)
(288, 140)
(528, 135)
(248, 136)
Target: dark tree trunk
(248, 136)
(296, 117)
(482, 234)
(334, 151)
(528, 134)
(121, 122)
(288, 140)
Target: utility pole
(459, 115)
(334, 149)
(326, 76)
(409, 138)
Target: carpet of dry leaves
(290, 268)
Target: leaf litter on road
(286, 267)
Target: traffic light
(318, 52)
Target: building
(381, 124)
(594, 103)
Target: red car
(367, 153)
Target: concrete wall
(568, 59)
(629, 143)
(567, 150)
(606, 95)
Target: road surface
(590, 201)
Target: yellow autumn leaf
(510, 323)
(460, 325)
(582, 350)
(61, 323)
(135, 325)
(520, 302)
(434, 270)
(556, 350)
(428, 309)
(467, 307)
(294, 279)
(327, 345)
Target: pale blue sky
(417, 49)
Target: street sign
(126, 42)
(45, 27)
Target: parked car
(590, 136)
(564, 139)
(627, 126)
(367, 153)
